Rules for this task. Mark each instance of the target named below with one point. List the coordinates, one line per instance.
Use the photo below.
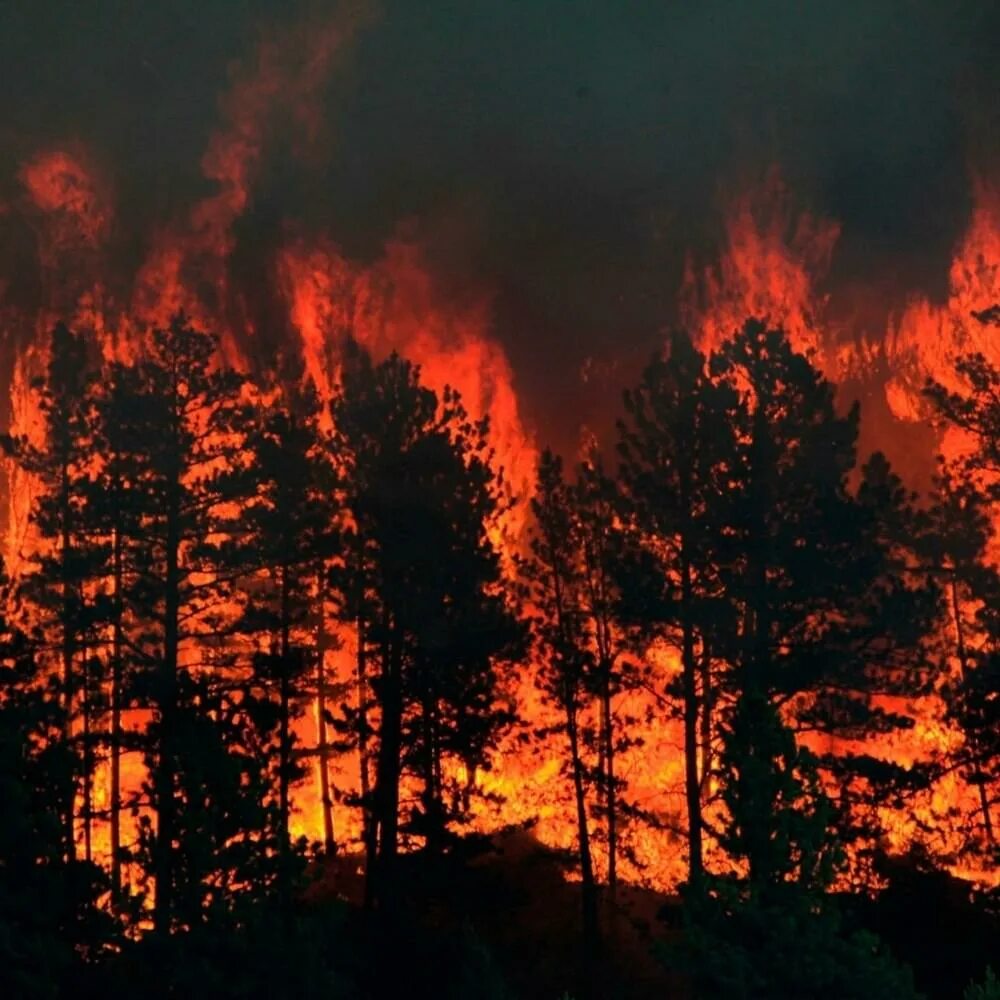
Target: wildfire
(772, 261)
(772, 265)
(928, 336)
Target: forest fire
(294, 585)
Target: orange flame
(772, 265)
(928, 337)
(772, 261)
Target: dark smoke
(567, 155)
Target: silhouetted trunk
(689, 680)
(757, 795)
(595, 559)
(591, 926)
(610, 792)
(370, 795)
(115, 735)
(164, 779)
(67, 650)
(87, 708)
(432, 774)
(364, 734)
(388, 771)
(284, 742)
(707, 708)
(322, 745)
(980, 778)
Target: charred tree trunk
(610, 791)
(87, 761)
(164, 779)
(689, 679)
(388, 772)
(68, 637)
(432, 803)
(963, 664)
(595, 560)
(591, 924)
(284, 742)
(322, 744)
(707, 708)
(115, 735)
(364, 751)
(758, 795)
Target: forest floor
(510, 897)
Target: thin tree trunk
(284, 743)
(165, 771)
(754, 694)
(388, 772)
(364, 753)
(692, 785)
(591, 926)
(116, 720)
(707, 708)
(68, 644)
(322, 746)
(371, 795)
(610, 792)
(431, 842)
(432, 775)
(595, 559)
(88, 765)
(984, 801)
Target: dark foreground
(506, 925)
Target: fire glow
(772, 264)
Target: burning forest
(453, 542)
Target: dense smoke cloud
(565, 156)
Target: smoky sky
(566, 155)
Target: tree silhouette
(555, 592)
(820, 627)
(422, 584)
(597, 504)
(957, 548)
(202, 541)
(64, 559)
(675, 443)
(182, 450)
(825, 619)
(286, 543)
(49, 903)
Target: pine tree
(597, 503)
(50, 920)
(463, 629)
(563, 640)
(287, 543)
(956, 546)
(675, 443)
(421, 583)
(825, 620)
(113, 520)
(65, 562)
(183, 456)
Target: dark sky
(567, 154)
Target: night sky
(565, 155)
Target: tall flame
(928, 336)
(771, 264)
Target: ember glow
(291, 292)
(772, 263)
